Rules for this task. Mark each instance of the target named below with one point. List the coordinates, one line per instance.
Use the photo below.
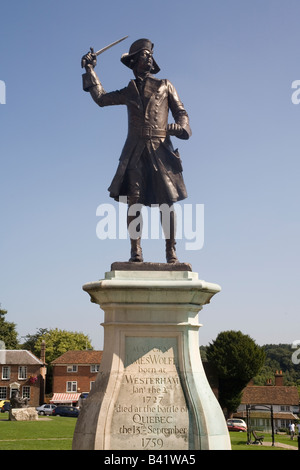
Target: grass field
(56, 433)
(53, 433)
(239, 442)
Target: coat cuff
(88, 81)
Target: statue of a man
(149, 171)
(16, 401)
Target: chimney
(278, 378)
(269, 382)
(43, 372)
(43, 352)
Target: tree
(32, 340)
(8, 332)
(279, 357)
(57, 342)
(237, 359)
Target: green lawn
(239, 441)
(56, 433)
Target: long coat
(147, 132)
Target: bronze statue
(18, 402)
(149, 171)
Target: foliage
(57, 342)
(278, 357)
(31, 341)
(237, 359)
(235, 355)
(8, 332)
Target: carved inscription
(150, 412)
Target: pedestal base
(23, 414)
(151, 392)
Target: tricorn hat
(135, 48)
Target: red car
(238, 425)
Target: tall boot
(136, 251)
(171, 256)
(135, 226)
(168, 220)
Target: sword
(104, 49)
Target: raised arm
(92, 84)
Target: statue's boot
(135, 226)
(171, 256)
(136, 251)
(168, 220)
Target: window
(3, 393)
(95, 367)
(13, 390)
(284, 408)
(22, 373)
(26, 392)
(72, 386)
(5, 372)
(72, 368)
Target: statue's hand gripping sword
(84, 58)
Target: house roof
(270, 395)
(79, 357)
(266, 415)
(19, 357)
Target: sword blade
(110, 45)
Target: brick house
(22, 371)
(74, 374)
(284, 401)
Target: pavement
(279, 444)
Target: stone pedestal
(23, 414)
(151, 392)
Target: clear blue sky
(232, 63)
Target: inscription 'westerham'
(152, 380)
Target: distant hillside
(279, 357)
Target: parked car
(5, 407)
(236, 424)
(45, 409)
(2, 402)
(66, 411)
